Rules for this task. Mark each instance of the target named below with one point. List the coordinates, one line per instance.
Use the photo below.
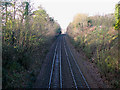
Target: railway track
(78, 77)
(65, 72)
(56, 73)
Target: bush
(100, 44)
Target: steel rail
(53, 64)
(60, 68)
(78, 67)
(70, 66)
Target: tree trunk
(6, 13)
(14, 10)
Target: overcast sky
(64, 10)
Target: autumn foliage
(97, 38)
(25, 34)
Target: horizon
(64, 11)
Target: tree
(117, 16)
(6, 4)
(80, 21)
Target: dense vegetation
(26, 38)
(97, 38)
(117, 16)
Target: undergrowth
(100, 45)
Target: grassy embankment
(26, 39)
(96, 37)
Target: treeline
(25, 34)
(97, 38)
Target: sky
(64, 11)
